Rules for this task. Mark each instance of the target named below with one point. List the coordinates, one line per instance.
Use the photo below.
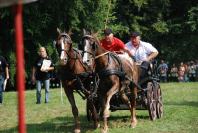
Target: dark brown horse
(116, 73)
(74, 75)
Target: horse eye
(80, 46)
(93, 46)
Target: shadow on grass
(184, 103)
(112, 118)
(56, 125)
(66, 124)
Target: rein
(76, 58)
(69, 57)
(101, 55)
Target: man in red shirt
(112, 43)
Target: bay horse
(74, 75)
(116, 73)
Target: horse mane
(91, 35)
(98, 43)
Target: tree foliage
(170, 25)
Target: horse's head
(63, 46)
(88, 46)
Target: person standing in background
(41, 74)
(4, 75)
(174, 73)
(163, 69)
(181, 72)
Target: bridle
(66, 39)
(95, 45)
(89, 37)
(68, 56)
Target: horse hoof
(134, 124)
(77, 131)
(104, 130)
(96, 125)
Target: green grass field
(180, 113)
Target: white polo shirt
(142, 52)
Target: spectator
(41, 74)
(4, 75)
(196, 66)
(192, 71)
(174, 73)
(163, 69)
(186, 66)
(181, 72)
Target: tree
(171, 25)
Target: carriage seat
(148, 69)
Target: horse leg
(126, 100)
(70, 96)
(95, 116)
(106, 112)
(133, 105)
(133, 89)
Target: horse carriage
(107, 81)
(149, 96)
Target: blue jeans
(38, 90)
(1, 88)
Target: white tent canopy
(5, 3)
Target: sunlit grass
(180, 113)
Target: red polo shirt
(116, 44)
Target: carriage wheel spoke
(159, 103)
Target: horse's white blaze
(86, 55)
(62, 52)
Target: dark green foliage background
(170, 25)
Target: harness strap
(115, 56)
(80, 53)
(101, 55)
(81, 86)
(93, 87)
(107, 72)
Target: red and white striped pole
(20, 67)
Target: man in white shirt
(143, 52)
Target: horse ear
(54, 43)
(95, 34)
(58, 30)
(70, 32)
(84, 32)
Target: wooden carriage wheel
(151, 104)
(159, 102)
